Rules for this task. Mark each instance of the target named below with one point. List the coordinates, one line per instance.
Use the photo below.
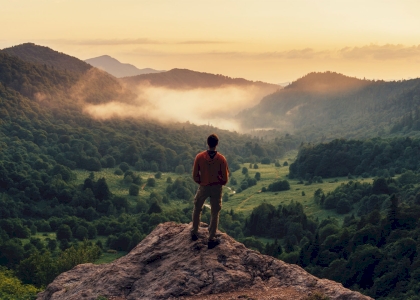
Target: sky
(273, 41)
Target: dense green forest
(372, 157)
(376, 253)
(50, 221)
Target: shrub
(265, 161)
(151, 182)
(180, 169)
(124, 166)
(134, 190)
(118, 172)
(281, 185)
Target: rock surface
(167, 264)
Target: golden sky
(273, 41)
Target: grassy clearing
(118, 187)
(248, 199)
(42, 236)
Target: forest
(51, 219)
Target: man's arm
(196, 171)
(224, 170)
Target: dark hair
(212, 140)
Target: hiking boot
(194, 236)
(213, 243)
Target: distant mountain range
(317, 106)
(116, 68)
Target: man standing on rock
(211, 173)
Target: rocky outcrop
(167, 264)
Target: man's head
(212, 140)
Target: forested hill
(43, 74)
(187, 79)
(330, 105)
(45, 56)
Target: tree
(124, 166)
(154, 208)
(158, 175)
(81, 233)
(225, 197)
(101, 190)
(258, 176)
(134, 190)
(180, 169)
(281, 185)
(151, 182)
(64, 232)
(244, 170)
(92, 232)
(266, 161)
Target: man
(211, 173)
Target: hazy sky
(273, 41)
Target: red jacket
(208, 171)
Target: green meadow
(242, 202)
(120, 188)
(246, 200)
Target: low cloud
(199, 106)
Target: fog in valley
(214, 106)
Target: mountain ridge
(117, 68)
(42, 55)
(188, 79)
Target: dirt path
(243, 201)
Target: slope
(330, 105)
(74, 81)
(168, 265)
(116, 68)
(45, 56)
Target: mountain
(116, 68)
(187, 79)
(331, 105)
(45, 56)
(168, 265)
(71, 79)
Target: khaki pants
(215, 194)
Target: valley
(334, 182)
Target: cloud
(384, 52)
(201, 42)
(368, 52)
(117, 42)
